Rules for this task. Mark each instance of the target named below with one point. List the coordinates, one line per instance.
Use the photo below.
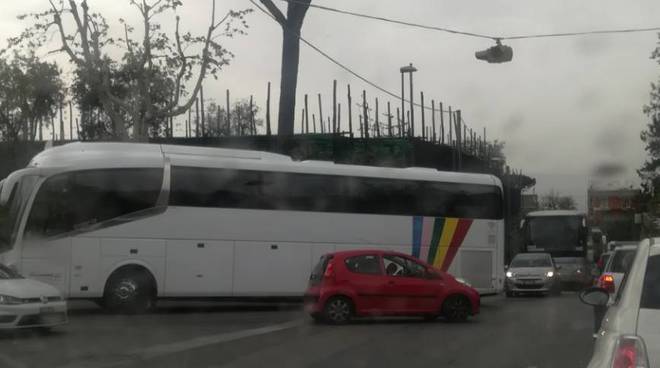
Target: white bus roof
(77, 156)
(555, 213)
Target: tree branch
(275, 11)
(57, 15)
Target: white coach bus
(125, 224)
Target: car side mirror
(595, 296)
(433, 275)
(506, 267)
(558, 267)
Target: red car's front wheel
(456, 308)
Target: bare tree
(555, 201)
(291, 26)
(153, 55)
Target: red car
(373, 282)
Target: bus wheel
(338, 310)
(130, 291)
(456, 308)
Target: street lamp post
(410, 69)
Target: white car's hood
(26, 288)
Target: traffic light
(496, 54)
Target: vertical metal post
(201, 100)
(433, 120)
(306, 115)
(442, 123)
(228, 115)
(196, 117)
(268, 131)
(321, 114)
(377, 121)
(365, 116)
(253, 126)
(389, 120)
(334, 106)
(423, 114)
(403, 101)
(350, 113)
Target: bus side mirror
(522, 224)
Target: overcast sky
(563, 105)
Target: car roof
(552, 213)
(625, 247)
(522, 255)
(358, 252)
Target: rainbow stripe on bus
(437, 239)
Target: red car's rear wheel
(338, 310)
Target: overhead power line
(346, 68)
(474, 34)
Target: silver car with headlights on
(26, 303)
(531, 273)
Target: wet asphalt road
(537, 332)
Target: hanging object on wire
(496, 54)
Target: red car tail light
(606, 282)
(630, 352)
(329, 271)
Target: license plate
(49, 319)
(43, 310)
(527, 282)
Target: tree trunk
(289, 81)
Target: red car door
(365, 277)
(408, 290)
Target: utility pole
(410, 69)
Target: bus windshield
(557, 233)
(7, 221)
(10, 212)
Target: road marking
(156, 351)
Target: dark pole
(314, 122)
(339, 118)
(70, 120)
(321, 114)
(201, 100)
(196, 117)
(302, 121)
(412, 109)
(398, 121)
(189, 124)
(451, 139)
(334, 106)
(434, 137)
(228, 116)
(442, 123)
(306, 116)
(377, 121)
(403, 101)
(61, 124)
(365, 117)
(460, 147)
(423, 118)
(350, 113)
(268, 131)
(253, 126)
(389, 120)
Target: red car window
(365, 264)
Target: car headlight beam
(10, 300)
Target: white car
(629, 335)
(618, 264)
(28, 303)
